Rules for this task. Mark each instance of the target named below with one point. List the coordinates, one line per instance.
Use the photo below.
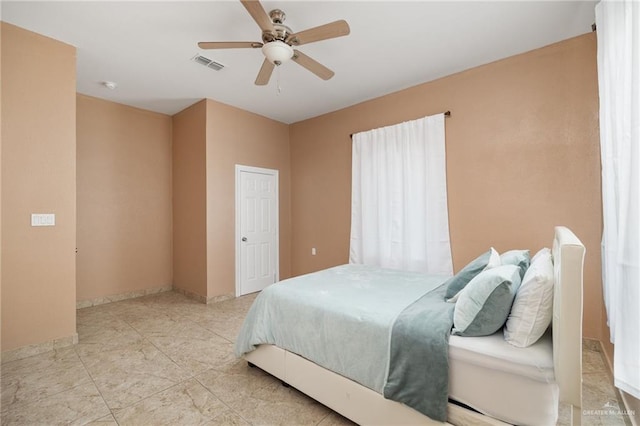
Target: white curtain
(399, 216)
(618, 33)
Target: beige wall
(190, 200)
(235, 136)
(124, 199)
(522, 157)
(38, 176)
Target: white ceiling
(146, 47)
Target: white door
(256, 228)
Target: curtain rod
(446, 114)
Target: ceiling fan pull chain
(278, 88)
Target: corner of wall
(188, 175)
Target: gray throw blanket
(419, 355)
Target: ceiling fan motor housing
(281, 32)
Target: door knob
(244, 238)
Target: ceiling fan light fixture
(277, 52)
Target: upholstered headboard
(568, 258)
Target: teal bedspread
(341, 319)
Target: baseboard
(220, 298)
(38, 348)
(203, 299)
(190, 295)
(122, 296)
(592, 344)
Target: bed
(527, 385)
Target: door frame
(272, 172)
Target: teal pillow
(484, 305)
(520, 258)
(473, 268)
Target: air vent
(207, 62)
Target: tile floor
(165, 359)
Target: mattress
(516, 385)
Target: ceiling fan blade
(258, 14)
(228, 44)
(323, 32)
(312, 65)
(265, 73)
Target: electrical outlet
(313, 251)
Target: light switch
(313, 251)
(43, 219)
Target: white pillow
(494, 259)
(543, 252)
(533, 306)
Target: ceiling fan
(278, 41)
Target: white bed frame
(367, 407)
